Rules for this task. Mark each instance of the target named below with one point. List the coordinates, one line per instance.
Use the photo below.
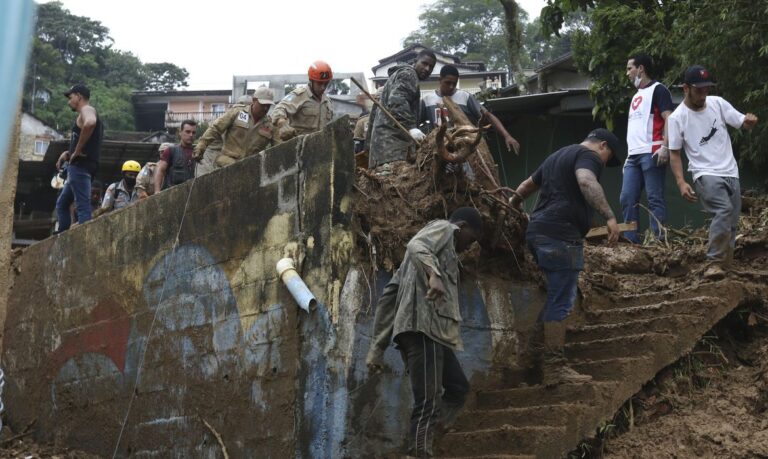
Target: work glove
(661, 155)
(417, 135)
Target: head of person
(606, 145)
(130, 170)
(244, 99)
(448, 80)
(263, 98)
(97, 190)
(78, 96)
(320, 76)
(187, 132)
(425, 62)
(470, 225)
(163, 146)
(639, 69)
(697, 82)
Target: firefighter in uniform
(307, 109)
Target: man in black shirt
(83, 158)
(568, 180)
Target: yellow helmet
(131, 166)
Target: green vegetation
(69, 49)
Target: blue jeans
(78, 189)
(561, 263)
(641, 172)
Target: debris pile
(391, 207)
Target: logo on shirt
(636, 102)
(242, 116)
(705, 140)
(438, 119)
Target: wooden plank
(602, 231)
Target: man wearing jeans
(699, 126)
(83, 158)
(419, 311)
(647, 158)
(570, 190)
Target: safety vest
(640, 122)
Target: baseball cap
(264, 96)
(604, 135)
(79, 89)
(698, 77)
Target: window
(41, 146)
(218, 109)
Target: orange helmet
(320, 71)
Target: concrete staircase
(622, 345)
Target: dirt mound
(712, 403)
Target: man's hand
(661, 155)
(287, 132)
(436, 287)
(687, 192)
(613, 231)
(512, 145)
(516, 202)
(62, 157)
(750, 120)
(197, 155)
(417, 135)
(375, 362)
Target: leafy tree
(470, 29)
(69, 49)
(165, 76)
(727, 37)
(478, 30)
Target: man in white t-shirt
(699, 126)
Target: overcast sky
(217, 39)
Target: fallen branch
(16, 437)
(218, 437)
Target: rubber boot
(533, 347)
(555, 370)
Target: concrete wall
(215, 335)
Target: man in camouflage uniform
(245, 130)
(213, 151)
(400, 96)
(307, 109)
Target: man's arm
(512, 144)
(522, 192)
(595, 196)
(215, 131)
(404, 90)
(88, 115)
(160, 171)
(676, 164)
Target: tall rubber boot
(554, 369)
(532, 351)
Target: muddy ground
(713, 402)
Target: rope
(154, 318)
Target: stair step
(644, 299)
(541, 396)
(698, 306)
(615, 369)
(543, 441)
(661, 324)
(518, 416)
(623, 346)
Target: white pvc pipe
(299, 290)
